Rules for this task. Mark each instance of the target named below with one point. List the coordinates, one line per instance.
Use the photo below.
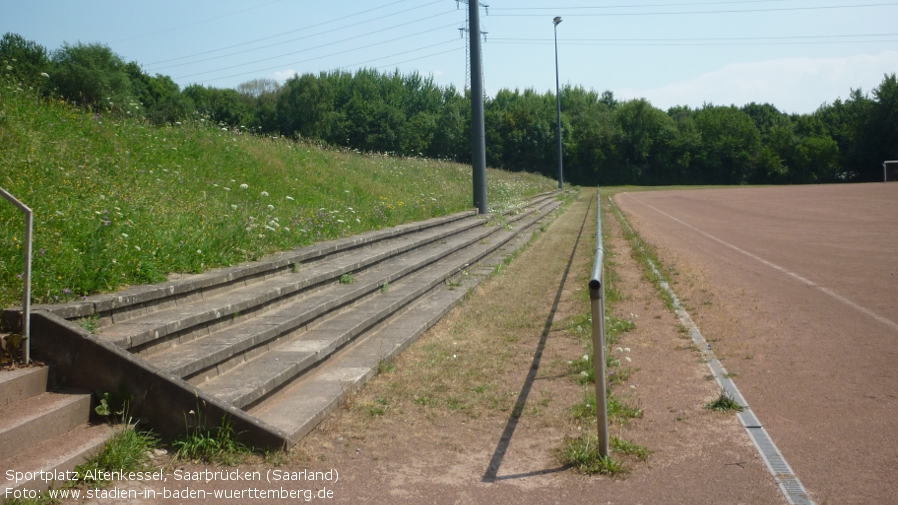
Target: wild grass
(125, 452)
(119, 202)
(218, 444)
(724, 403)
(619, 410)
(644, 254)
(583, 453)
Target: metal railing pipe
(597, 311)
(26, 302)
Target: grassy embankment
(118, 202)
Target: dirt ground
(798, 289)
(477, 409)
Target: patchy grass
(619, 410)
(583, 454)
(724, 403)
(126, 452)
(644, 254)
(211, 445)
(627, 447)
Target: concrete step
(248, 379)
(153, 332)
(248, 339)
(142, 300)
(34, 420)
(21, 384)
(198, 359)
(298, 408)
(55, 455)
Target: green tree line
(606, 141)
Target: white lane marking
(797, 277)
(791, 487)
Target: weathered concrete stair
(257, 343)
(41, 430)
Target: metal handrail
(26, 303)
(597, 310)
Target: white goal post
(890, 170)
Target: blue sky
(796, 54)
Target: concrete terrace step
(182, 323)
(58, 454)
(140, 300)
(38, 418)
(213, 354)
(21, 384)
(253, 380)
(300, 407)
(140, 330)
(273, 345)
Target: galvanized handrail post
(597, 310)
(26, 302)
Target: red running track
(798, 286)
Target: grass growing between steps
(119, 202)
(126, 452)
(211, 445)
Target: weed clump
(724, 403)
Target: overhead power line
(708, 39)
(198, 22)
(694, 44)
(361, 63)
(316, 25)
(404, 52)
(309, 59)
(634, 6)
(732, 11)
(420, 58)
(320, 46)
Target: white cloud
(438, 73)
(793, 85)
(283, 75)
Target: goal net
(890, 170)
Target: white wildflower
(244, 186)
(199, 251)
(626, 349)
(137, 247)
(233, 206)
(265, 193)
(628, 359)
(585, 357)
(290, 198)
(125, 235)
(44, 74)
(270, 207)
